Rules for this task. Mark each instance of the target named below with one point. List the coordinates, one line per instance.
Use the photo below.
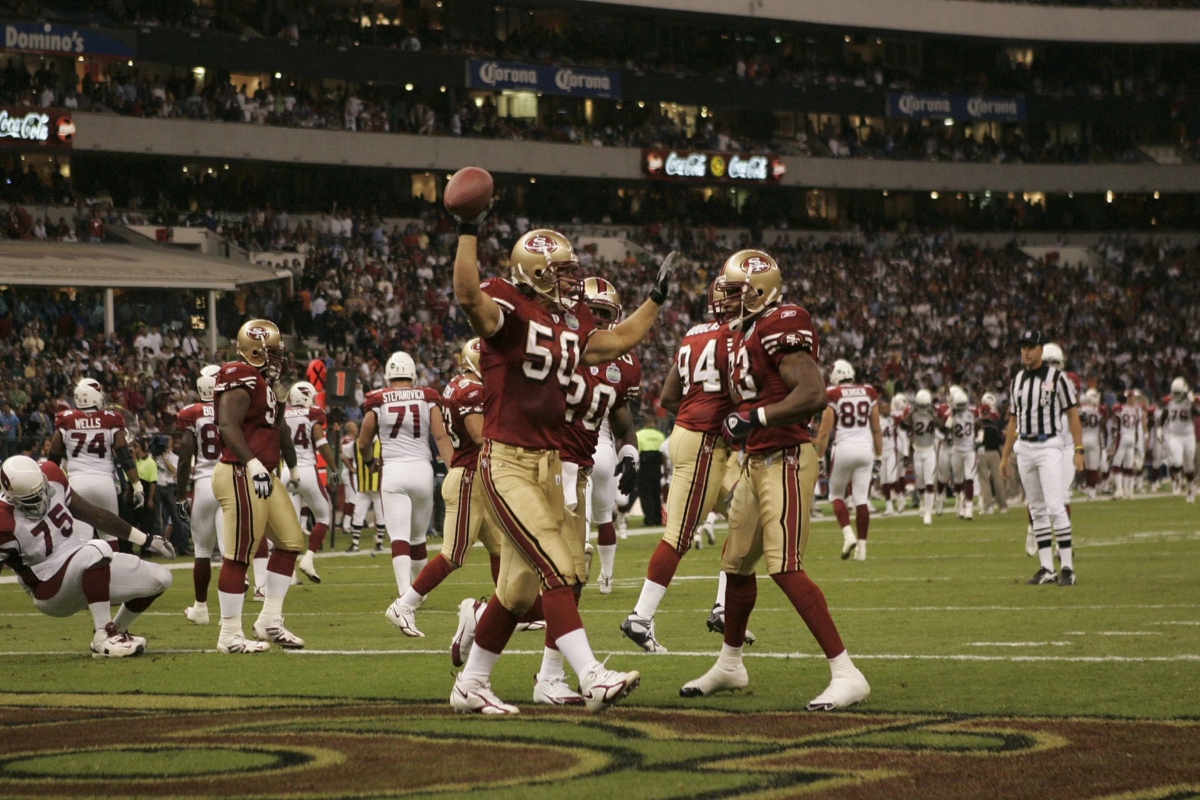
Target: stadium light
(933, 195)
(1108, 196)
(885, 192)
(408, 87)
(1156, 195)
(949, 123)
(278, 75)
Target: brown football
(468, 192)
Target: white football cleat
(698, 541)
(842, 691)
(602, 688)
(536, 625)
(258, 595)
(273, 631)
(721, 677)
(927, 518)
(305, 565)
(848, 542)
(604, 584)
(888, 509)
(640, 631)
(707, 529)
(860, 550)
(968, 511)
(404, 618)
(197, 615)
(112, 643)
(470, 696)
(1031, 547)
(238, 643)
(464, 637)
(555, 692)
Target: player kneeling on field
(65, 573)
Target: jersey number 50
(539, 359)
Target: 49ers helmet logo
(541, 244)
(259, 333)
(755, 264)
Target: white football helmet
(23, 485)
(206, 384)
(302, 395)
(1179, 388)
(400, 367)
(923, 399)
(958, 398)
(89, 394)
(988, 400)
(842, 372)
(1052, 354)
(899, 403)
(1092, 396)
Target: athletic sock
(1045, 551)
(317, 539)
(608, 556)
(429, 578)
(862, 521)
(125, 617)
(1064, 549)
(492, 632)
(722, 585)
(279, 578)
(552, 664)
(356, 534)
(809, 601)
(95, 584)
(231, 593)
(842, 513)
(402, 566)
(652, 594)
(420, 557)
(741, 594)
(201, 578)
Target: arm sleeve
(1066, 392)
(789, 330)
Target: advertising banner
(67, 40)
(568, 81)
(929, 105)
(723, 167)
(21, 127)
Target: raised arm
(609, 345)
(482, 311)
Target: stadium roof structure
(149, 266)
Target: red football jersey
(703, 364)
(258, 426)
(592, 396)
(779, 331)
(528, 365)
(88, 436)
(461, 398)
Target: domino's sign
(968, 108)
(59, 40)
(567, 81)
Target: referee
(1039, 397)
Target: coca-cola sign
(712, 167)
(24, 126)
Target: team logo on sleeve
(613, 374)
(572, 321)
(541, 244)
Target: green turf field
(939, 619)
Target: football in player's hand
(468, 192)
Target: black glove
(876, 466)
(470, 227)
(662, 284)
(739, 424)
(626, 475)
(183, 510)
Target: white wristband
(627, 451)
(254, 467)
(317, 445)
(137, 537)
(761, 412)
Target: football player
(306, 425)
(198, 457)
(959, 428)
(88, 441)
(1093, 418)
(611, 472)
(779, 389)
(1175, 425)
(888, 470)
(697, 392)
(535, 333)
(853, 410)
(65, 573)
(402, 415)
(1127, 420)
(254, 502)
(924, 424)
(900, 411)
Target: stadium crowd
(895, 307)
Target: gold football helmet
(604, 301)
(751, 281)
(470, 357)
(260, 345)
(718, 295)
(544, 260)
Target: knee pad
(517, 593)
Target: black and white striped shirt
(1039, 399)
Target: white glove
(162, 547)
(293, 485)
(261, 478)
(139, 495)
